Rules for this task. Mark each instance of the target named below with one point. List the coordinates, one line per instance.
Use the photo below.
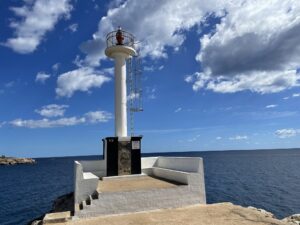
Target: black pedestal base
(122, 155)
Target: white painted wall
(97, 167)
(85, 183)
(148, 162)
(186, 164)
(185, 170)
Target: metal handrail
(111, 39)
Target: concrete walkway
(221, 213)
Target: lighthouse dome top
(119, 37)
(120, 41)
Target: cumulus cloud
(271, 106)
(98, 116)
(161, 24)
(255, 47)
(239, 137)
(260, 81)
(81, 79)
(36, 18)
(41, 77)
(92, 117)
(52, 110)
(286, 133)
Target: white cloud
(189, 78)
(177, 110)
(259, 81)
(133, 96)
(241, 53)
(286, 133)
(36, 18)
(151, 92)
(218, 138)
(9, 84)
(192, 139)
(109, 70)
(160, 24)
(88, 118)
(56, 66)
(47, 123)
(295, 95)
(73, 27)
(82, 79)
(255, 47)
(271, 106)
(52, 110)
(98, 116)
(152, 68)
(41, 77)
(238, 137)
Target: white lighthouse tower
(122, 152)
(120, 46)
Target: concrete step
(59, 217)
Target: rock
(293, 219)
(266, 213)
(37, 222)
(14, 161)
(61, 204)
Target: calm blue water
(268, 179)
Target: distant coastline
(6, 161)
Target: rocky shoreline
(61, 204)
(6, 161)
(65, 203)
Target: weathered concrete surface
(138, 183)
(221, 213)
(13, 161)
(59, 217)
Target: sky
(217, 75)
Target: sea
(267, 179)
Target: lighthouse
(121, 152)
(120, 46)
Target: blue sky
(219, 75)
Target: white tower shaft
(120, 47)
(120, 95)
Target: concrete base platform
(138, 193)
(222, 213)
(166, 182)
